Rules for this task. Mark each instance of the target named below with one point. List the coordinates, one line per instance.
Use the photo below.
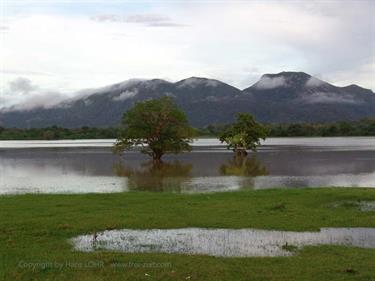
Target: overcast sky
(55, 48)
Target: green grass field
(34, 233)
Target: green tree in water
(158, 126)
(244, 134)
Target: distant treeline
(57, 133)
(365, 127)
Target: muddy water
(85, 166)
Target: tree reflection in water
(243, 166)
(155, 176)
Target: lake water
(84, 166)
(222, 242)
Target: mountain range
(276, 98)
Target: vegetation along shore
(365, 127)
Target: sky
(50, 50)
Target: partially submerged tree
(158, 126)
(244, 134)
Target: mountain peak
(194, 81)
(288, 74)
(275, 98)
(285, 79)
(357, 89)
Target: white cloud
(267, 82)
(324, 97)
(193, 82)
(74, 52)
(40, 100)
(22, 94)
(125, 95)
(212, 83)
(21, 85)
(152, 20)
(3, 101)
(313, 82)
(4, 28)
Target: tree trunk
(156, 155)
(241, 152)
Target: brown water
(89, 166)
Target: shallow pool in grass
(222, 242)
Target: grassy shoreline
(34, 230)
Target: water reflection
(243, 166)
(155, 176)
(222, 242)
(176, 176)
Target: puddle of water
(364, 206)
(339, 180)
(216, 184)
(222, 242)
(367, 206)
(21, 184)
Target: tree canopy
(244, 134)
(158, 126)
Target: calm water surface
(89, 166)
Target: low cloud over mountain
(277, 98)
